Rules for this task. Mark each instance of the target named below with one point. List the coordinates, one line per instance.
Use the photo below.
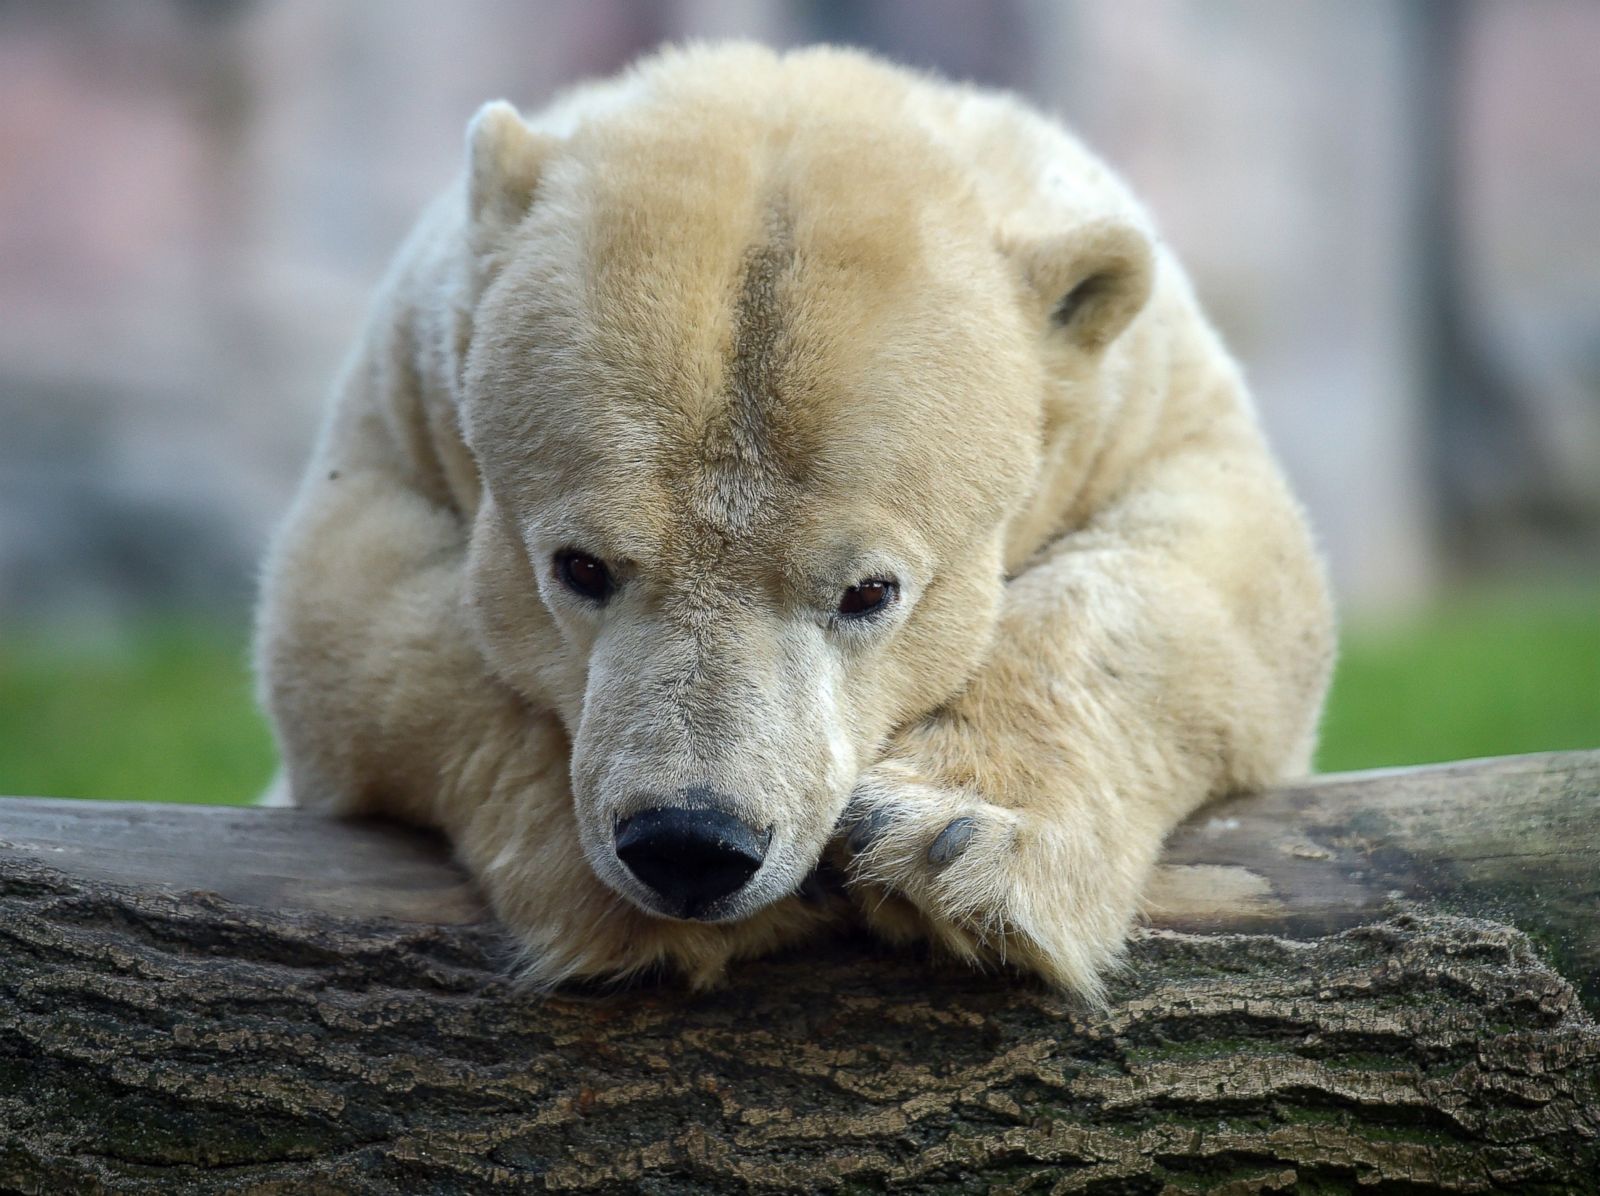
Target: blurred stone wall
(196, 199)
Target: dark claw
(866, 831)
(952, 841)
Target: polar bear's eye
(867, 596)
(584, 575)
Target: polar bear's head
(755, 401)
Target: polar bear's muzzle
(710, 763)
(693, 860)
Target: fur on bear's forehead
(750, 322)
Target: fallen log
(1373, 979)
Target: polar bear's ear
(504, 158)
(1091, 282)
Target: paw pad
(952, 841)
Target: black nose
(691, 858)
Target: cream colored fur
(752, 328)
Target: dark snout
(691, 858)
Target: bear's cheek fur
(951, 637)
(515, 629)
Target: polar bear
(763, 468)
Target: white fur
(753, 328)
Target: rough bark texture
(1371, 979)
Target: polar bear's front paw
(988, 883)
(913, 837)
(946, 852)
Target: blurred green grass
(1485, 674)
(161, 712)
(164, 713)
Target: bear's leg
(1049, 885)
(1174, 649)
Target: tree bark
(1384, 978)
